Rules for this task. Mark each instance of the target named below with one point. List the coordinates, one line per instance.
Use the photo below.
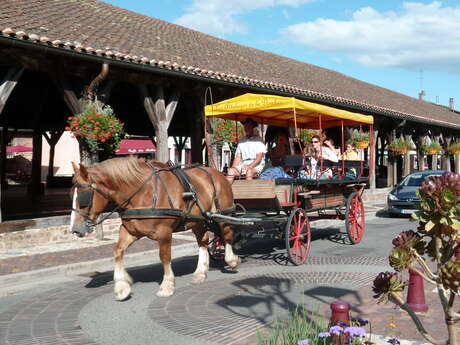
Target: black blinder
(85, 198)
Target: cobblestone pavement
(229, 309)
(221, 311)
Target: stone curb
(17, 281)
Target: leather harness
(189, 194)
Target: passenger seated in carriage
(249, 155)
(313, 159)
(282, 149)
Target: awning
(18, 148)
(284, 111)
(134, 146)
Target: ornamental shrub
(437, 239)
(98, 127)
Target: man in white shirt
(249, 155)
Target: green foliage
(98, 126)
(385, 284)
(300, 325)
(454, 148)
(227, 131)
(400, 145)
(305, 135)
(431, 148)
(438, 238)
(357, 138)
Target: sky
(404, 46)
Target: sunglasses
(315, 141)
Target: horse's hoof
(233, 264)
(199, 278)
(122, 290)
(163, 292)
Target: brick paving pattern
(231, 311)
(53, 259)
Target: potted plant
(360, 140)
(97, 128)
(400, 146)
(454, 148)
(431, 148)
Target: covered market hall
(154, 75)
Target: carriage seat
(294, 162)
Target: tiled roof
(99, 29)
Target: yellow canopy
(284, 112)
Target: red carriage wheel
(298, 236)
(354, 218)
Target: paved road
(230, 308)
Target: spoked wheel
(354, 218)
(298, 236)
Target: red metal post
(416, 293)
(340, 312)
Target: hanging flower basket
(399, 151)
(362, 145)
(359, 139)
(400, 146)
(454, 148)
(97, 127)
(432, 148)
(432, 151)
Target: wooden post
(52, 140)
(457, 163)
(35, 186)
(160, 115)
(6, 88)
(406, 157)
(374, 148)
(4, 144)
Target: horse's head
(90, 198)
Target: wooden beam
(160, 112)
(6, 88)
(8, 84)
(67, 92)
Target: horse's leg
(231, 258)
(202, 268)
(169, 281)
(121, 278)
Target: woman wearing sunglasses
(325, 152)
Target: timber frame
(150, 101)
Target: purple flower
(302, 342)
(343, 324)
(394, 341)
(335, 330)
(355, 331)
(324, 334)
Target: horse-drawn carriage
(291, 203)
(155, 199)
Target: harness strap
(157, 213)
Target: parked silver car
(403, 199)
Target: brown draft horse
(135, 184)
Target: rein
(94, 188)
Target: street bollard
(416, 293)
(340, 313)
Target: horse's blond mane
(122, 171)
